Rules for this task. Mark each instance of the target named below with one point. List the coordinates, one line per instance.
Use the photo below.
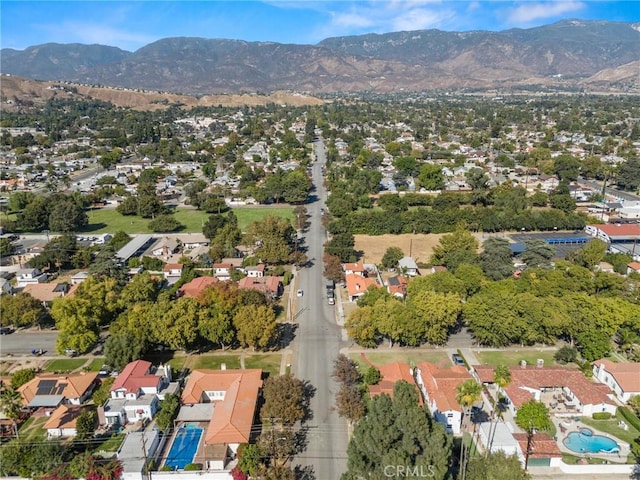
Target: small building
(255, 271)
(5, 286)
(79, 277)
(354, 269)
(172, 271)
(271, 285)
(397, 286)
(197, 286)
(622, 378)
(166, 247)
(51, 390)
(390, 374)
(222, 271)
(633, 267)
(357, 285)
(408, 266)
(29, 276)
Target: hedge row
(629, 417)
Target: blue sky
(131, 25)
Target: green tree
(284, 400)
(341, 246)
(391, 257)
(255, 325)
(67, 216)
(436, 312)
(431, 177)
(467, 393)
(495, 466)
(86, 424)
(20, 377)
(103, 392)
(6, 248)
(372, 376)
(11, 405)
(168, 411)
(165, 223)
(123, 348)
(361, 327)
(591, 254)
(501, 379)
(21, 310)
(455, 248)
(532, 416)
(274, 237)
(495, 258)
(537, 253)
(345, 370)
(349, 403)
(249, 458)
(216, 325)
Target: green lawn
(214, 362)
(269, 362)
(109, 220)
(381, 358)
(96, 364)
(112, 444)
(513, 357)
(32, 431)
(65, 364)
(611, 427)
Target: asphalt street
(316, 346)
(21, 343)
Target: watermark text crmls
(409, 471)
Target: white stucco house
(622, 378)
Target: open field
(419, 246)
(214, 362)
(513, 357)
(269, 362)
(96, 364)
(440, 358)
(109, 220)
(65, 364)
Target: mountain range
(569, 54)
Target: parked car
(5, 331)
(458, 360)
(70, 352)
(299, 292)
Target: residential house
(222, 271)
(408, 266)
(438, 388)
(135, 393)
(29, 276)
(62, 422)
(193, 240)
(613, 233)
(172, 272)
(165, 248)
(53, 390)
(271, 285)
(390, 374)
(197, 286)
(354, 269)
(622, 378)
(255, 271)
(357, 285)
(567, 392)
(46, 292)
(79, 277)
(633, 267)
(5, 286)
(397, 286)
(226, 400)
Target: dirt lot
(418, 246)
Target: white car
(299, 292)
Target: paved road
(21, 343)
(628, 196)
(316, 346)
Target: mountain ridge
(566, 54)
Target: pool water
(184, 447)
(585, 441)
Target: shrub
(566, 355)
(601, 416)
(286, 279)
(628, 415)
(191, 467)
(372, 376)
(166, 468)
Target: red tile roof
(173, 266)
(587, 392)
(441, 383)
(353, 267)
(634, 266)
(357, 284)
(542, 445)
(135, 376)
(75, 385)
(196, 286)
(232, 419)
(614, 230)
(64, 416)
(627, 375)
(391, 373)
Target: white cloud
(529, 11)
(420, 19)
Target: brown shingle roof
(65, 416)
(233, 416)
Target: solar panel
(60, 388)
(46, 387)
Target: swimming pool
(184, 447)
(585, 441)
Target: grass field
(513, 357)
(96, 364)
(32, 431)
(65, 364)
(269, 362)
(419, 246)
(109, 220)
(214, 362)
(611, 427)
(412, 358)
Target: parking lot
(562, 249)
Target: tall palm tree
(501, 379)
(531, 417)
(467, 393)
(11, 405)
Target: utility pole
(147, 471)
